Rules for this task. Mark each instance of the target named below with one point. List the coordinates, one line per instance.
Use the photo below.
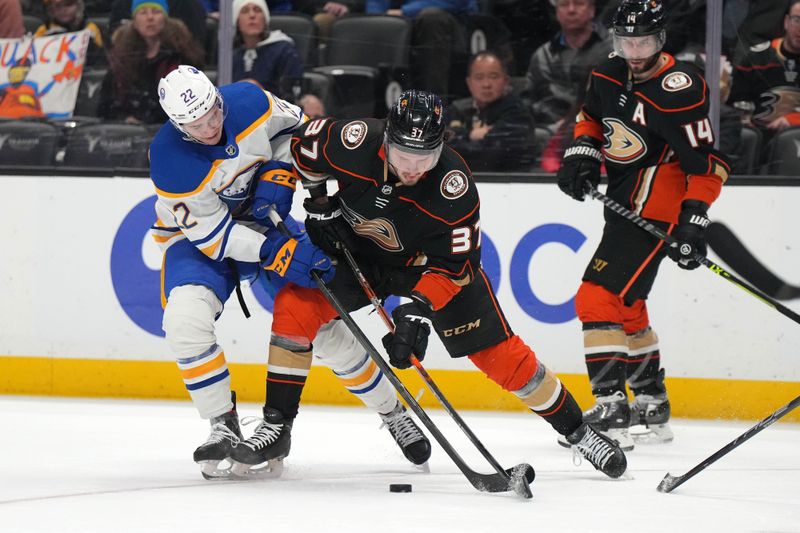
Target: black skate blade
(668, 483)
(522, 476)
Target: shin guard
(644, 360)
(287, 371)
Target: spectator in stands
(312, 106)
(766, 81)
(559, 67)
(11, 26)
(142, 53)
(191, 12)
(266, 56)
(438, 41)
(492, 129)
(325, 13)
(68, 15)
(275, 6)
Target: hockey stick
(498, 482)
(731, 250)
(703, 260)
(670, 482)
(518, 477)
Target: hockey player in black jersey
(409, 211)
(645, 114)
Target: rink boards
(81, 312)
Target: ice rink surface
(125, 466)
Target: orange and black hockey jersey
(657, 140)
(433, 225)
(768, 78)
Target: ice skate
(604, 454)
(224, 437)
(409, 437)
(650, 419)
(611, 416)
(261, 455)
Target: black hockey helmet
(635, 18)
(416, 121)
(639, 29)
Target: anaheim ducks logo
(623, 145)
(777, 102)
(353, 134)
(379, 230)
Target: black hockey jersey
(768, 79)
(433, 224)
(657, 139)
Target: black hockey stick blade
(670, 482)
(736, 255)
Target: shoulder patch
(676, 81)
(760, 47)
(353, 134)
(454, 185)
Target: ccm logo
(458, 330)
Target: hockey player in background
(408, 209)
(217, 167)
(646, 114)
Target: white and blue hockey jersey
(205, 192)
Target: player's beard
(642, 67)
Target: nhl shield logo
(386, 190)
(454, 185)
(230, 150)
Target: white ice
(125, 466)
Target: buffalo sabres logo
(623, 145)
(354, 134)
(379, 230)
(454, 185)
(676, 81)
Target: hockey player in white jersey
(218, 166)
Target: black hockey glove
(581, 165)
(690, 234)
(412, 323)
(327, 227)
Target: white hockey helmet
(186, 94)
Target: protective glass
(638, 47)
(411, 161)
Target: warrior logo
(379, 230)
(354, 134)
(623, 145)
(454, 185)
(677, 81)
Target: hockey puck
(400, 487)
